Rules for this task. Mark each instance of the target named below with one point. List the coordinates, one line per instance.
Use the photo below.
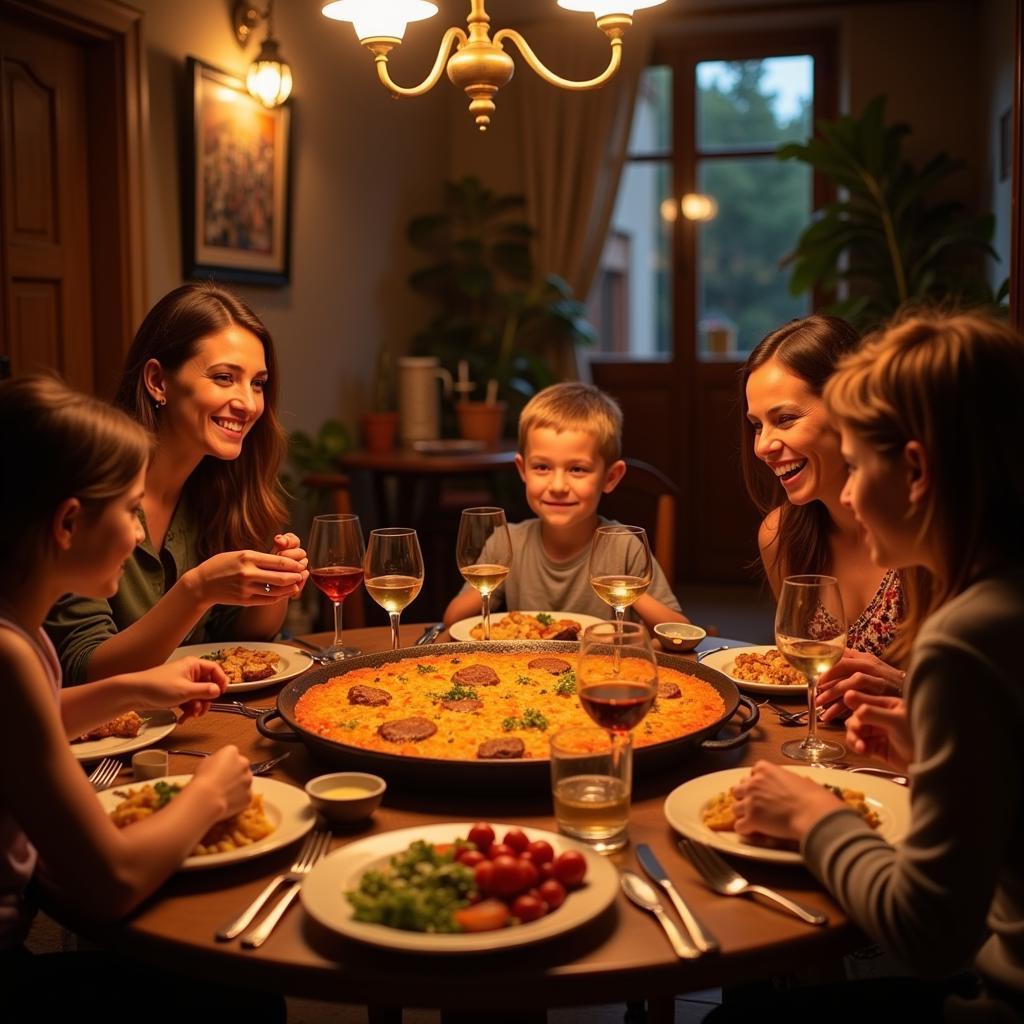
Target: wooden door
(44, 196)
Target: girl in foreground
(929, 415)
(794, 473)
(73, 530)
(212, 566)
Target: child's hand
(189, 683)
(227, 772)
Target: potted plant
(491, 307)
(885, 237)
(380, 425)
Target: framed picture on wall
(236, 183)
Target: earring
(159, 403)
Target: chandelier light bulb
(607, 8)
(380, 19)
(270, 77)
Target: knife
(429, 634)
(702, 938)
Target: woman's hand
(188, 683)
(227, 774)
(287, 546)
(775, 802)
(243, 577)
(879, 727)
(856, 671)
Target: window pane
(651, 131)
(749, 104)
(630, 303)
(742, 292)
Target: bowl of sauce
(345, 797)
(679, 636)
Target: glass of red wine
(336, 567)
(617, 679)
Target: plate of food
(759, 670)
(368, 890)
(134, 730)
(524, 626)
(701, 809)
(278, 815)
(251, 665)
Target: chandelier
(480, 66)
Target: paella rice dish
(242, 829)
(483, 705)
(769, 667)
(244, 664)
(522, 626)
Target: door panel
(44, 183)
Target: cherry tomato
(506, 877)
(552, 892)
(483, 876)
(470, 858)
(541, 852)
(528, 908)
(481, 835)
(546, 871)
(482, 917)
(500, 850)
(529, 876)
(569, 868)
(517, 839)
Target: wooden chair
(338, 486)
(647, 497)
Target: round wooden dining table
(619, 956)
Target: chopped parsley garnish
(566, 685)
(532, 719)
(425, 670)
(523, 680)
(457, 692)
(165, 792)
(544, 619)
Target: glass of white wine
(621, 567)
(483, 552)
(810, 632)
(394, 572)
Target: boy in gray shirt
(570, 439)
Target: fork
(721, 877)
(256, 767)
(236, 707)
(104, 773)
(312, 850)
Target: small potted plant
(380, 426)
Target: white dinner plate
(724, 661)
(461, 630)
(155, 726)
(286, 806)
(684, 804)
(293, 661)
(323, 893)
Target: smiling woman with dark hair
(795, 472)
(201, 376)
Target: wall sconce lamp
(270, 78)
(480, 66)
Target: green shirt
(78, 625)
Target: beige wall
(362, 164)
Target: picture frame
(236, 182)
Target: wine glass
(617, 680)
(621, 567)
(394, 572)
(810, 632)
(336, 567)
(483, 552)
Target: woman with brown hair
(201, 377)
(794, 472)
(929, 413)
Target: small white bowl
(679, 636)
(344, 797)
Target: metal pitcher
(419, 409)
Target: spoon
(643, 894)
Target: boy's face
(565, 475)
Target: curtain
(572, 147)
